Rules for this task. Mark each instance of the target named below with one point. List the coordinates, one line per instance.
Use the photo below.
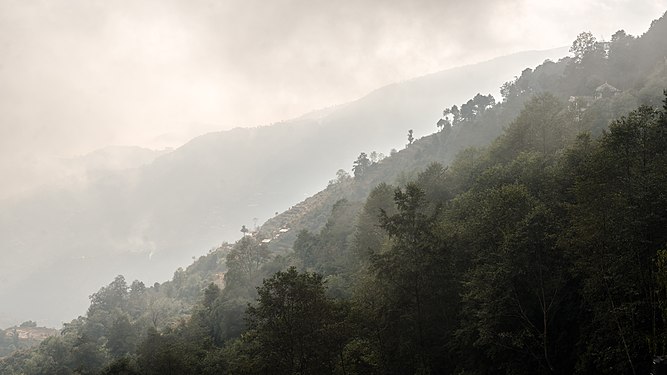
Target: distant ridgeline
(541, 251)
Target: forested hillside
(541, 251)
(634, 67)
(147, 220)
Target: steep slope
(577, 84)
(535, 159)
(59, 244)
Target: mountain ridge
(158, 215)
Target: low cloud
(78, 75)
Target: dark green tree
(110, 297)
(360, 165)
(583, 45)
(294, 328)
(515, 293)
(244, 263)
(618, 224)
(416, 277)
(305, 248)
(122, 338)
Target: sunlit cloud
(79, 75)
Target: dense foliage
(544, 252)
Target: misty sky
(77, 75)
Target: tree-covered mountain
(578, 82)
(146, 220)
(540, 252)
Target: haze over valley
(144, 220)
(303, 187)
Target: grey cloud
(81, 74)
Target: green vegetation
(543, 252)
(26, 335)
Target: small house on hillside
(606, 91)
